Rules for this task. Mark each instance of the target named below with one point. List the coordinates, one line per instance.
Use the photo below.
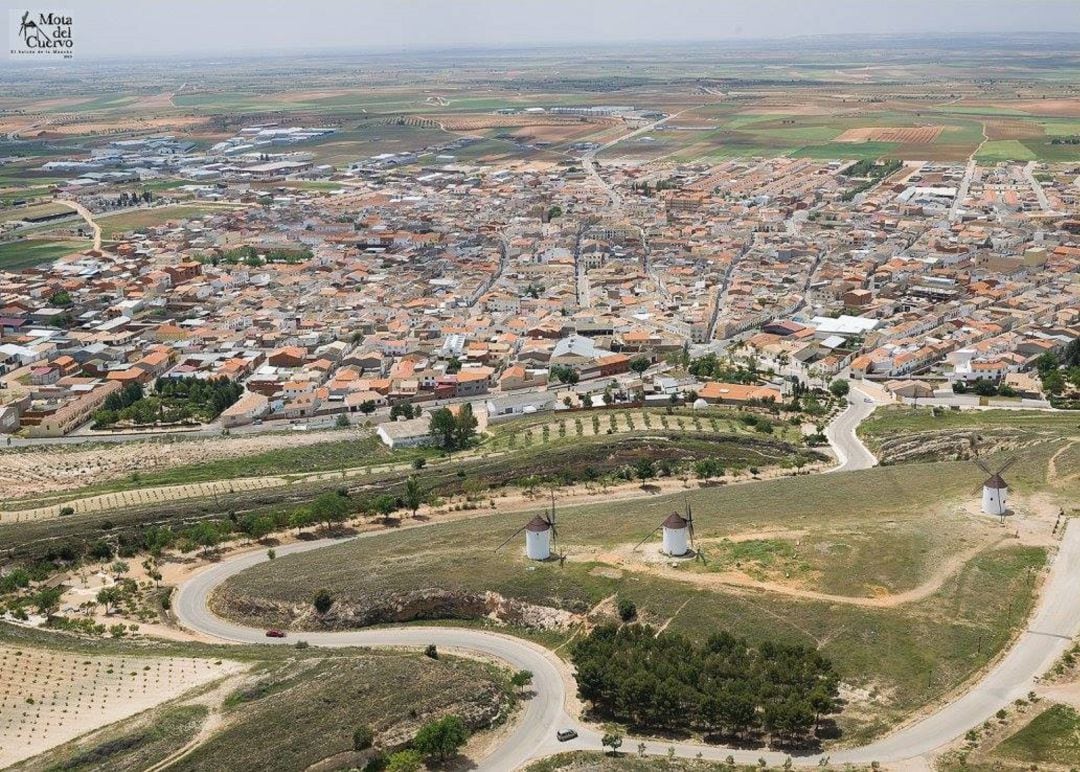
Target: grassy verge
(626, 761)
(1052, 737)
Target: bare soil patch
(1013, 130)
(60, 128)
(53, 469)
(478, 122)
(911, 135)
(49, 697)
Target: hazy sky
(146, 27)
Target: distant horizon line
(476, 47)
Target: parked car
(566, 734)
(275, 633)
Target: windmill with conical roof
(995, 490)
(678, 533)
(541, 535)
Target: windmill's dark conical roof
(537, 524)
(996, 481)
(674, 520)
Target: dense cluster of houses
(481, 282)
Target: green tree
(368, 406)
(465, 426)
(839, 387)
(1072, 353)
(205, 534)
(443, 425)
(627, 610)
(109, 597)
(342, 421)
(258, 527)
(363, 738)
(322, 601)
(384, 505)
(611, 740)
(521, 679)
(441, 739)
(330, 508)
(985, 388)
(1053, 382)
(640, 364)
(665, 682)
(1046, 363)
(47, 601)
(645, 469)
(708, 468)
(407, 760)
(564, 374)
(414, 495)
(300, 518)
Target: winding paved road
(851, 454)
(1055, 623)
(1053, 626)
(542, 714)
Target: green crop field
(1005, 150)
(113, 225)
(15, 255)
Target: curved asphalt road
(1054, 625)
(543, 714)
(850, 452)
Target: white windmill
(678, 533)
(995, 490)
(541, 535)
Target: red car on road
(275, 634)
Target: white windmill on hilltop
(678, 533)
(541, 535)
(995, 490)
